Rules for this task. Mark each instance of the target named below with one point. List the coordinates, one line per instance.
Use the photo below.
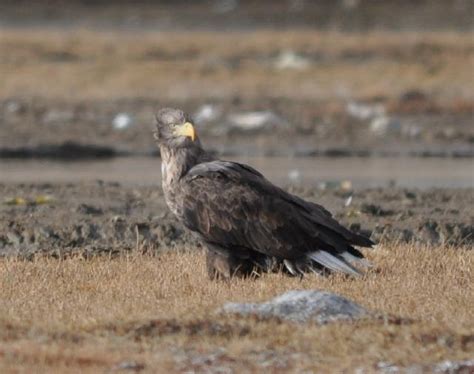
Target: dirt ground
(109, 217)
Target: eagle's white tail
(356, 260)
(333, 263)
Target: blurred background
(351, 93)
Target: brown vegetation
(169, 65)
(158, 313)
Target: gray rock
(302, 306)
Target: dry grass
(88, 65)
(90, 315)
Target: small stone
(58, 117)
(14, 238)
(294, 175)
(363, 111)
(383, 124)
(122, 121)
(129, 365)
(290, 60)
(207, 113)
(13, 107)
(250, 122)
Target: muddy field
(350, 78)
(264, 92)
(106, 217)
(358, 15)
(414, 126)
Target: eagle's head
(174, 129)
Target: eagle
(247, 224)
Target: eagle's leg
(225, 265)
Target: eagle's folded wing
(234, 206)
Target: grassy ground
(158, 313)
(171, 66)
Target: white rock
(122, 121)
(365, 111)
(384, 124)
(294, 175)
(252, 121)
(379, 125)
(207, 113)
(291, 60)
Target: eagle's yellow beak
(186, 130)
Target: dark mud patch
(245, 15)
(100, 217)
(68, 150)
(93, 218)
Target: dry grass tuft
(159, 312)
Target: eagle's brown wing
(233, 206)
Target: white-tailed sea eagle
(247, 223)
